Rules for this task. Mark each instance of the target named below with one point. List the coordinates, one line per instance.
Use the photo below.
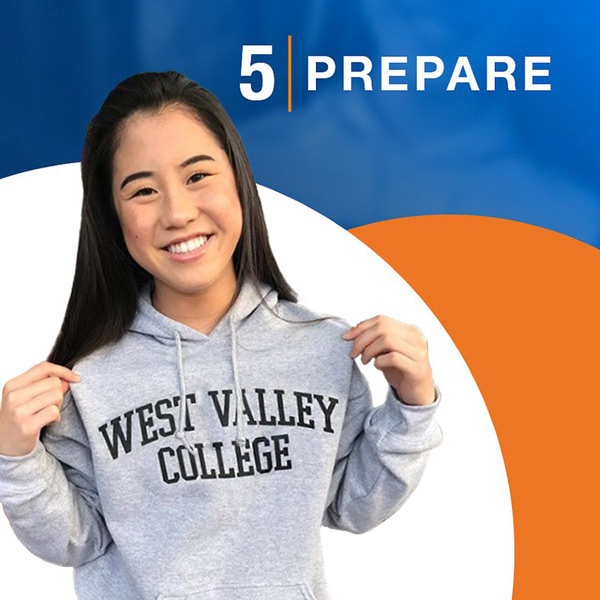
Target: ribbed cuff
(21, 476)
(436, 398)
(414, 422)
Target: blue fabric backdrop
(358, 156)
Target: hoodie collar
(149, 321)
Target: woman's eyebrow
(134, 176)
(195, 159)
(186, 163)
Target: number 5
(268, 77)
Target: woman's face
(176, 197)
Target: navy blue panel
(356, 156)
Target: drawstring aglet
(181, 436)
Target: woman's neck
(202, 310)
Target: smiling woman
(193, 415)
(175, 193)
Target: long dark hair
(107, 280)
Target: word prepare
(428, 68)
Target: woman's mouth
(189, 245)
(189, 249)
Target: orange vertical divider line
(289, 73)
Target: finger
(385, 337)
(26, 394)
(39, 403)
(379, 346)
(395, 360)
(44, 417)
(39, 371)
(368, 336)
(410, 333)
(413, 370)
(383, 346)
(360, 327)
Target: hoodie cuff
(414, 423)
(436, 398)
(22, 476)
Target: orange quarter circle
(522, 305)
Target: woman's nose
(179, 208)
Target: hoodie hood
(149, 321)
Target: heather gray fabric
(148, 497)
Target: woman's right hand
(29, 402)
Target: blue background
(357, 157)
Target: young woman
(194, 425)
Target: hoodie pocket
(294, 591)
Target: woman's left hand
(400, 352)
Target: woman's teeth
(188, 246)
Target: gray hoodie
(149, 497)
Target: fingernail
(77, 375)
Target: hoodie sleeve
(381, 457)
(49, 496)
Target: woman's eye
(197, 177)
(143, 192)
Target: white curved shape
(452, 539)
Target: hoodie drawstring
(180, 433)
(241, 436)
